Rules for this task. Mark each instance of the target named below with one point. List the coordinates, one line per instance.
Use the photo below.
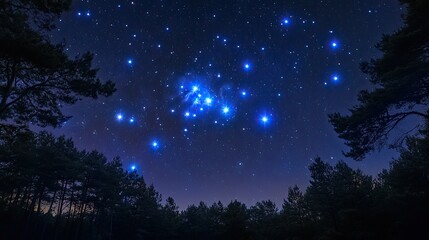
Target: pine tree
(401, 86)
(37, 77)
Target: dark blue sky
(221, 100)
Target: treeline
(51, 190)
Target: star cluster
(222, 99)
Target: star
(225, 110)
(335, 78)
(285, 21)
(265, 119)
(334, 44)
(208, 101)
(119, 117)
(155, 144)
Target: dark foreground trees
(51, 190)
(37, 77)
(401, 86)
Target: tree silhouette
(51, 190)
(37, 77)
(401, 85)
(235, 219)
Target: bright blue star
(247, 66)
(79, 13)
(208, 101)
(243, 93)
(130, 61)
(335, 78)
(119, 117)
(285, 21)
(132, 120)
(88, 14)
(195, 88)
(187, 114)
(155, 144)
(265, 119)
(334, 44)
(225, 110)
(133, 167)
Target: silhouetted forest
(49, 189)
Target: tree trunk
(40, 199)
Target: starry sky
(221, 99)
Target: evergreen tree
(235, 219)
(264, 220)
(401, 85)
(37, 77)
(337, 195)
(405, 190)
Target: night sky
(222, 100)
